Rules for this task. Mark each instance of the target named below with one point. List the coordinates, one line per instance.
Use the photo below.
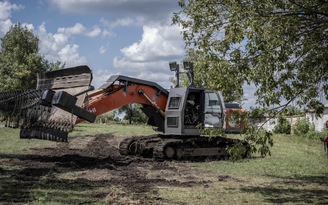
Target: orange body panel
(233, 124)
(119, 95)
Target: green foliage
(291, 111)
(237, 151)
(260, 141)
(107, 117)
(272, 44)
(19, 59)
(133, 113)
(283, 126)
(51, 66)
(302, 127)
(312, 134)
(255, 142)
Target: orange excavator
(65, 97)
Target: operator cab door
(213, 110)
(203, 108)
(193, 111)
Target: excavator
(64, 98)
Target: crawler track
(164, 147)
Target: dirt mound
(99, 151)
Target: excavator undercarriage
(163, 147)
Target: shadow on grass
(35, 178)
(27, 185)
(296, 189)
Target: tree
(279, 45)
(19, 59)
(133, 113)
(51, 66)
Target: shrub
(283, 126)
(302, 127)
(312, 134)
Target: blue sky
(128, 37)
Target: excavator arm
(122, 90)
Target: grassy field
(296, 173)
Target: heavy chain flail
(24, 107)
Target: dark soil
(89, 169)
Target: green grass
(115, 129)
(296, 173)
(10, 142)
(291, 156)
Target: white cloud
(95, 32)
(78, 28)
(109, 25)
(50, 43)
(155, 71)
(70, 55)
(139, 66)
(5, 26)
(5, 9)
(160, 78)
(100, 76)
(106, 33)
(56, 47)
(102, 50)
(28, 26)
(122, 22)
(157, 42)
(5, 13)
(148, 58)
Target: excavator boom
(122, 90)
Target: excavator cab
(190, 108)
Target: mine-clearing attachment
(163, 147)
(51, 110)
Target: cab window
(174, 103)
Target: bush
(283, 126)
(312, 134)
(302, 127)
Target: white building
(318, 121)
(268, 123)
